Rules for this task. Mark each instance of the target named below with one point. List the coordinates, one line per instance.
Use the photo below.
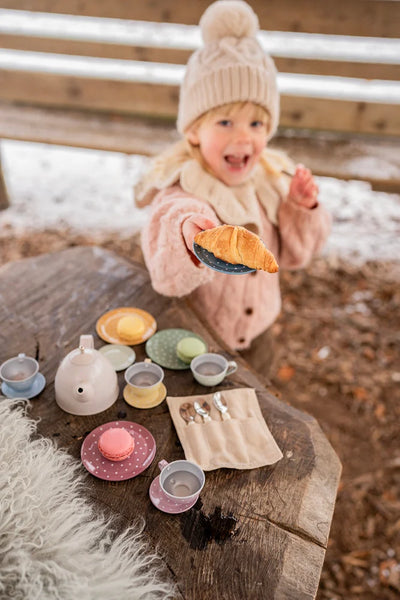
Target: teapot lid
(82, 356)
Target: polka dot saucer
(141, 457)
(162, 502)
(161, 347)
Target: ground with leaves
(336, 356)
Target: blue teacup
(19, 372)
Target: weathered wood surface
(358, 17)
(86, 129)
(281, 514)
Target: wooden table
(254, 534)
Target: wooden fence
(106, 73)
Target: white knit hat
(230, 67)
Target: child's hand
(303, 189)
(192, 226)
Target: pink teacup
(181, 480)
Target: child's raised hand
(192, 226)
(303, 189)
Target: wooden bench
(105, 74)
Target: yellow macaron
(130, 327)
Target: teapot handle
(86, 341)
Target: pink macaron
(116, 444)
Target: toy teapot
(85, 382)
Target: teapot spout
(86, 341)
(84, 392)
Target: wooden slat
(178, 56)
(340, 115)
(338, 68)
(83, 129)
(4, 200)
(92, 94)
(375, 160)
(162, 100)
(377, 18)
(80, 48)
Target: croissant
(237, 245)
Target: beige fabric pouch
(241, 442)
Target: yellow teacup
(145, 380)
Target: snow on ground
(56, 186)
(53, 187)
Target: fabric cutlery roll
(241, 442)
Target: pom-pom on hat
(230, 67)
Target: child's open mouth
(237, 162)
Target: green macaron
(188, 348)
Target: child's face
(231, 144)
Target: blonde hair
(230, 109)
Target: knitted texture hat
(230, 67)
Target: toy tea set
(86, 383)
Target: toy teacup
(145, 379)
(210, 369)
(178, 486)
(19, 372)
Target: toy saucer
(131, 398)
(217, 264)
(121, 357)
(161, 347)
(34, 390)
(138, 461)
(106, 326)
(162, 502)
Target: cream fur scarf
(238, 205)
(53, 543)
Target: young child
(222, 173)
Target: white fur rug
(53, 543)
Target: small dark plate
(209, 259)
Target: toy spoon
(202, 411)
(220, 404)
(186, 413)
